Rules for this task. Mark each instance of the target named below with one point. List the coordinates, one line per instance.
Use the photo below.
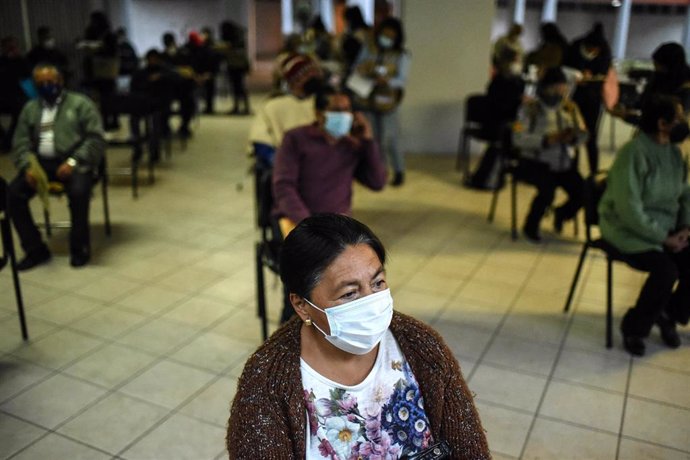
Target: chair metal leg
(576, 277)
(609, 302)
(9, 247)
(260, 291)
(492, 208)
(135, 179)
(465, 157)
(46, 220)
(106, 205)
(513, 208)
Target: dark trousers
(210, 92)
(78, 189)
(589, 103)
(546, 182)
(657, 296)
(239, 89)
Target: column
(326, 11)
(548, 13)
(25, 25)
(620, 39)
(519, 12)
(686, 33)
(286, 15)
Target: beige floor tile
(57, 349)
(102, 424)
(213, 404)
(33, 295)
(235, 289)
(245, 325)
(422, 305)
(660, 385)
(16, 374)
(523, 355)
(465, 341)
(677, 359)
(535, 326)
(65, 309)
(109, 288)
(167, 384)
(631, 449)
(583, 406)
(55, 446)
(642, 422)
(16, 434)
(199, 311)
(604, 370)
(473, 313)
(214, 352)
(11, 335)
(494, 293)
(108, 323)
(158, 336)
(53, 400)
(506, 430)
(182, 438)
(151, 299)
(110, 365)
(551, 439)
(189, 279)
(507, 388)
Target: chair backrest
(476, 108)
(595, 186)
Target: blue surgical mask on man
(385, 42)
(338, 124)
(49, 92)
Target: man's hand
(678, 241)
(361, 128)
(30, 179)
(64, 171)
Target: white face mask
(358, 326)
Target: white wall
(450, 42)
(647, 31)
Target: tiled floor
(137, 355)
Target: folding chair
(476, 106)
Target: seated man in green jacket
(645, 214)
(59, 137)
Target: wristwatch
(71, 162)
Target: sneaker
(669, 334)
(34, 259)
(634, 345)
(79, 259)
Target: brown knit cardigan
(268, 418)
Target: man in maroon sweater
(316, 164)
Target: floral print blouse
(381, 418)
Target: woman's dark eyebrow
(346, 283)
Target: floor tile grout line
(625, 405)
(48, 432)
(554, 365)
(503, 319)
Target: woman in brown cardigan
(348, 377)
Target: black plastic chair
(100, 175)
(594, 189)
(267, 249)
(476, 113)
(10, 256)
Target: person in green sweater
(645, 214)
(59, 138)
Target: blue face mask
(49, 92)
(338, 124)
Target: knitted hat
(296, 66)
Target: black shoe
(398, 179)
(79, 259)
(184, 132)
(669, 334)
(532, 235)
(34, 258)
(634, 345)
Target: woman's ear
(300, 306)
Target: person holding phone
(316, 164)
(350, 377)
